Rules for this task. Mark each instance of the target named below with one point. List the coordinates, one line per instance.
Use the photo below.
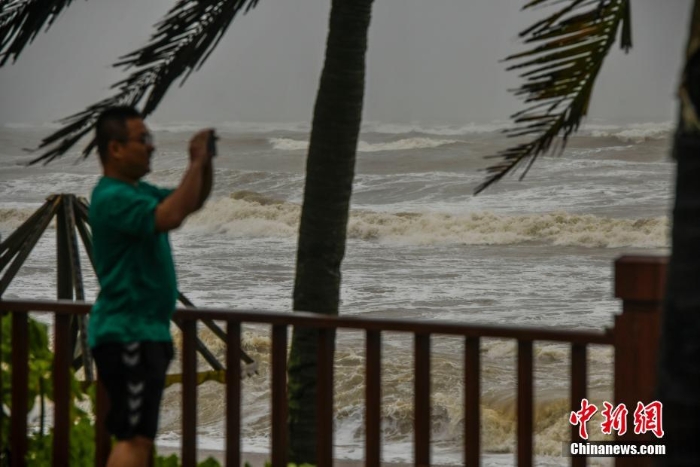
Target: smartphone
(211, 143)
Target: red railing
(639, 282)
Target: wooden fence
(639, 283)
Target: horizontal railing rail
(639, 283)
(315, 320)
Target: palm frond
(22, 20)
(559, 72)
(183, 41)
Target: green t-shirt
(134, 265)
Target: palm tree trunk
(678, 384)
(330, 170)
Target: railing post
(421, 399)
(61, 390)
(233, 394)
(324, 397)
(20, 381)
(189, 393)
(525, 408)
(103, 440)
(640, 283)
(373, 398)
(279, 395)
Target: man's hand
(194, 187)
(199, 152)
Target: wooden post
(640, 284)
(64, 345)
(20, 381)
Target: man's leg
(134, 376)
(134, 452)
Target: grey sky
(429, 62)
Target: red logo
(582, 416)
(615, 419)
(648, 418)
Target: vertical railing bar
(421, 401)
(103, 442)
(472, 401)
(189, 393)
(233, 394)
(76, 269)
(213, 327)
(373, 398)
(279, 395)
(324, 398)
(20, 381)
(64, 344)
(61, 390)
(525, 403)
(579, 383)
(203, 350)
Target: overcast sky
(428, 62)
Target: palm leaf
(570, 46)
(183, 41)
(22, 20)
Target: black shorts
(134, 376)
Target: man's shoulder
(148, 187)
(107, 186)
(106, 190)
(154, 190)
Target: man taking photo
(129, 328)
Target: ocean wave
(11, 218)
(498, 402)
(231, 127)
(437, 130)
(252, 214)
(289, 144)
(32, 126)
(636, 133)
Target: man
(129, 328)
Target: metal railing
(639, 282)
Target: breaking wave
(247, 213)
(637, 133)
(498, 401)
(289, 144)
(11, 218)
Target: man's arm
(189, 196)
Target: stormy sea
(532, 252)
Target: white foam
(13, 217)
(288, 144)
(250, 214)
(635, 133)
(33, 126)
(305, 127)
(438, 130)
(230, 127)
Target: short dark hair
(111, 125)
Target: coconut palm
(559, 73)
(182, 42)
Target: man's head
(124, 143)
